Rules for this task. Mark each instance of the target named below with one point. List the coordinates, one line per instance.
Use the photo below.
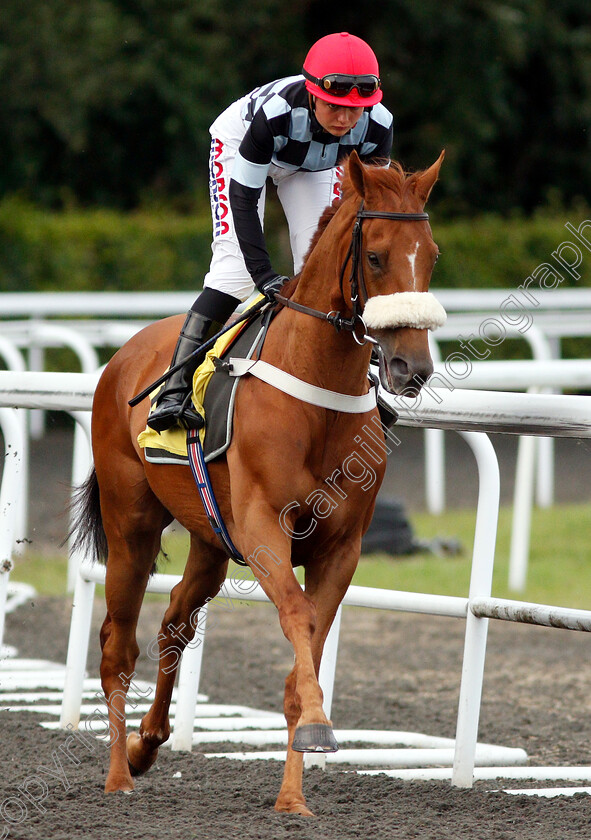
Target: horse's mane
(391, 179)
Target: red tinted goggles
(340, 84)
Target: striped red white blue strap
(210, 505)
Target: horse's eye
(373, 260)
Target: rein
(356, 278)
(336, 319)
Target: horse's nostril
(398, 367)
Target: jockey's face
(336, 119)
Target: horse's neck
(312, 349)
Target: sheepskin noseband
(420, 310)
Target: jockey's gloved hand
(272, 285)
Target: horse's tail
(87, 522)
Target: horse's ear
(426, 180)
(356, 173)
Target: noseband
(356, 278)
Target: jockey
(297, 131)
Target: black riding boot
(173, 404)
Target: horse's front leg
(291, 798)
(271, 564)
(326, 583)
(268, 551)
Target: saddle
(213, 396)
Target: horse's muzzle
(404, 376)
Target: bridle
(336, 319)
(359, 295)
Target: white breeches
(303, 196)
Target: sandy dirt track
(394, 672)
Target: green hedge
(94, 250)
(100, 250)
(490, 251)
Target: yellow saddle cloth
(174, 440)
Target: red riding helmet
(343, 69)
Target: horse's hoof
(298, 808)
(119, 785)
(314, 737)
(139, 759)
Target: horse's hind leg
(133, 520)
(204, 574)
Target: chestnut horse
(285, 455)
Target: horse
(287, 459)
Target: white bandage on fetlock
(420, 310)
